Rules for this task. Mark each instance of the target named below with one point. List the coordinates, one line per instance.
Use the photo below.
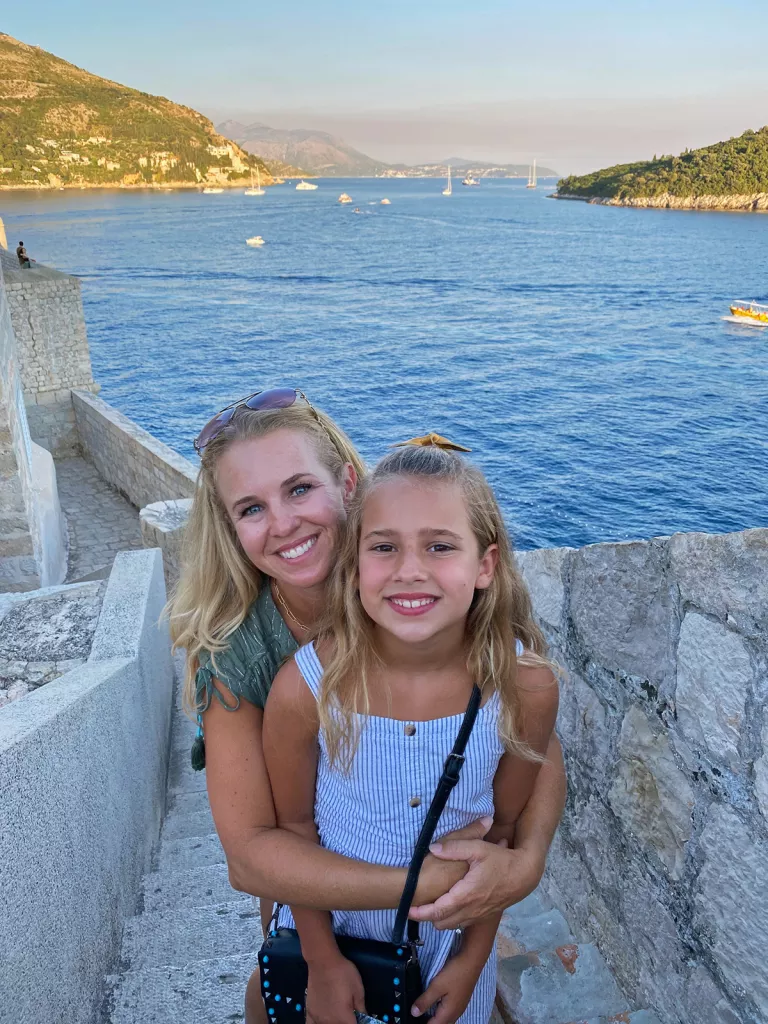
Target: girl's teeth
(413, 604)
(302, 549)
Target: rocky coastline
(756, 202)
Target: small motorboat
(386, 202)
(212, 191)
(469, 180)
(256, 241)
(344, 198)
(305, 186)
(748, 314)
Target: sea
(578, 350)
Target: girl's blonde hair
(498, 616)
(218, 582)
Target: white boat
(305, 186)
(212, 191)
(255, 241)
(532, 175)
(258, 191)
(469, 180)
(344, 198)
(386, 202)
(448, 190)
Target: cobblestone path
(101, 522)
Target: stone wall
(142, 468)
(19, 568)
(662, 856)
(162, 526)
(83, 763)
(47, 316)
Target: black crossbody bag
(389, 970)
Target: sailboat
(258, 191)
(532, 175)
(448, 190)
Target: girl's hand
(334, 992)
(451, 990)
(497, 878)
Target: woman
(274, 480)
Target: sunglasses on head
(275, 398)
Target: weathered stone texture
(47, 315)
(142, 468)
(731, 908)
(162, 526)
(661, 857)
(714, 673)
(621, 607)
(651, 795)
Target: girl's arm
(290, 753)
(266, 861)
(513, 785)
(334, 987)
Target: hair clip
(432, 440)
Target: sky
(578, 86)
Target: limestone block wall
(662, 856)
(47, 315)
(142, 468)
(83, 763)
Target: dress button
(415, 801)
(409, 730)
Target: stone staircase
(188, 953)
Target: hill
(61, 126)
(722, 174)
(486, 170)
(318, 152)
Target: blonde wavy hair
(218, 582)
(498, 616)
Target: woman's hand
(497, 878)
(438, 876)
(334, 992)
(451, 989)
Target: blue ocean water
(578, 350)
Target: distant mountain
(481, 169)
(738, 168)
(317, 152)
(61, 126)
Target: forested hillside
(61, 126)
(737, 167)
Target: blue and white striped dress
(376, 811)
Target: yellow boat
(750, 311)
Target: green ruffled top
(256, 650)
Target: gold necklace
(281, 601)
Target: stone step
(193, 887)
(188, 803)
(177, 826)
(190, 852)
(172, 938)
(531, 925)
(568, 984)
(199, 992)
(182, 778)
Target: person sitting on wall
(24, 261)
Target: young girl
(424, 602)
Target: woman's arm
(266, 861)
(499, 877)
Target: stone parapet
(46, 311)
(661, 856)
(162, 526)
(142, 468)
(83, 764)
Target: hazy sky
(576, 85)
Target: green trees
(736, 167)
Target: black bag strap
(451, 771)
